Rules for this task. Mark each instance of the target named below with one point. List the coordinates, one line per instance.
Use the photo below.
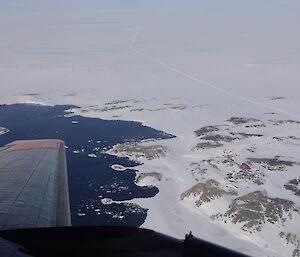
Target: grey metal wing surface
(33, 185)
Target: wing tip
(35, 144)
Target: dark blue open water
(90, 179)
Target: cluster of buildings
(239, 170)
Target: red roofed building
(245, 166)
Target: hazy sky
(38, 5)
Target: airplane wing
(33, 185)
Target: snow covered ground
(180, 67)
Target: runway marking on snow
(200, 81)
(207, 84)
(133, 40)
